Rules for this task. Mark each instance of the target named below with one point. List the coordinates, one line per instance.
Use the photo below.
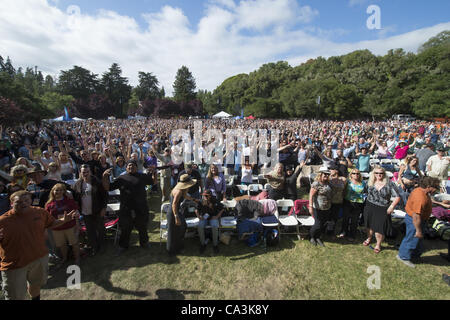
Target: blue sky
(215, 39)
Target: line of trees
(355, 85)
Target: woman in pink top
(401, 151)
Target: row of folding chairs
(283, 222)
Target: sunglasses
(379, 173)
(357, 173)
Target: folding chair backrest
(284, 206)
(254, 189)
(229, 204)
(270, 207)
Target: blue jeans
(411, 247)
(214, 223)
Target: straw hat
(185, 182)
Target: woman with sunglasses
(355, 195)
(57, 205)
(320, 197)
(377, 209)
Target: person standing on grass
(176, 222)
(418, 209)
(90, 194)
(320, 205)
(58, 204)
(338, 184)
(377, 209)
(355, 195)
(23, 254)
(165, 174)
(134, 211)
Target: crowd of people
(67, 169)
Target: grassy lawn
(293, 270)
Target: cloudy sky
(215, 39)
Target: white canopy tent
(222, 114)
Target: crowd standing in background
(68, 167)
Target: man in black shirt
(133, 204)
(192, 171)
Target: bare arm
(312, 194)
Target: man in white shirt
(438, 165)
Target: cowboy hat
(185, 182)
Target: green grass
(293, 270)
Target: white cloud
(219, 46)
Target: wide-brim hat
(185, 182)
(36, 169)
(324, 170)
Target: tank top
(66, 168)
(246, 175)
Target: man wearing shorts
(23, 254)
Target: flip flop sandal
(376, 250)
(367, 242)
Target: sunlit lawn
(293, 270)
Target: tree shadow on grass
(100, 268)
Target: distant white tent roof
(58, 119)
(78, 119)
(222, 114)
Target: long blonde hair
(51, 197)
(372, 180)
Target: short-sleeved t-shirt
(420, 203)
(322, 200)
(23, 237)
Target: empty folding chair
(286, 220)
(242, 188)
(228, 221)
(254, 189)
(261, 179)
(163, 221)
(191, 218)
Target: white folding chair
(191, 219)
(254, 189)
(113, 196)
(373, 162)
(389, 174)
(275, 213)
(228, 222)
(441, 197)
(242, 188)
(385, 161)
(266, 186)
(163, 221)
(113, 224)
(286, 220)
(261, 179)
(398, 214)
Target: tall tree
(148, 86)
(78, 82)
(184, 85)
(116, 88)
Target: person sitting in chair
(209, 212)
